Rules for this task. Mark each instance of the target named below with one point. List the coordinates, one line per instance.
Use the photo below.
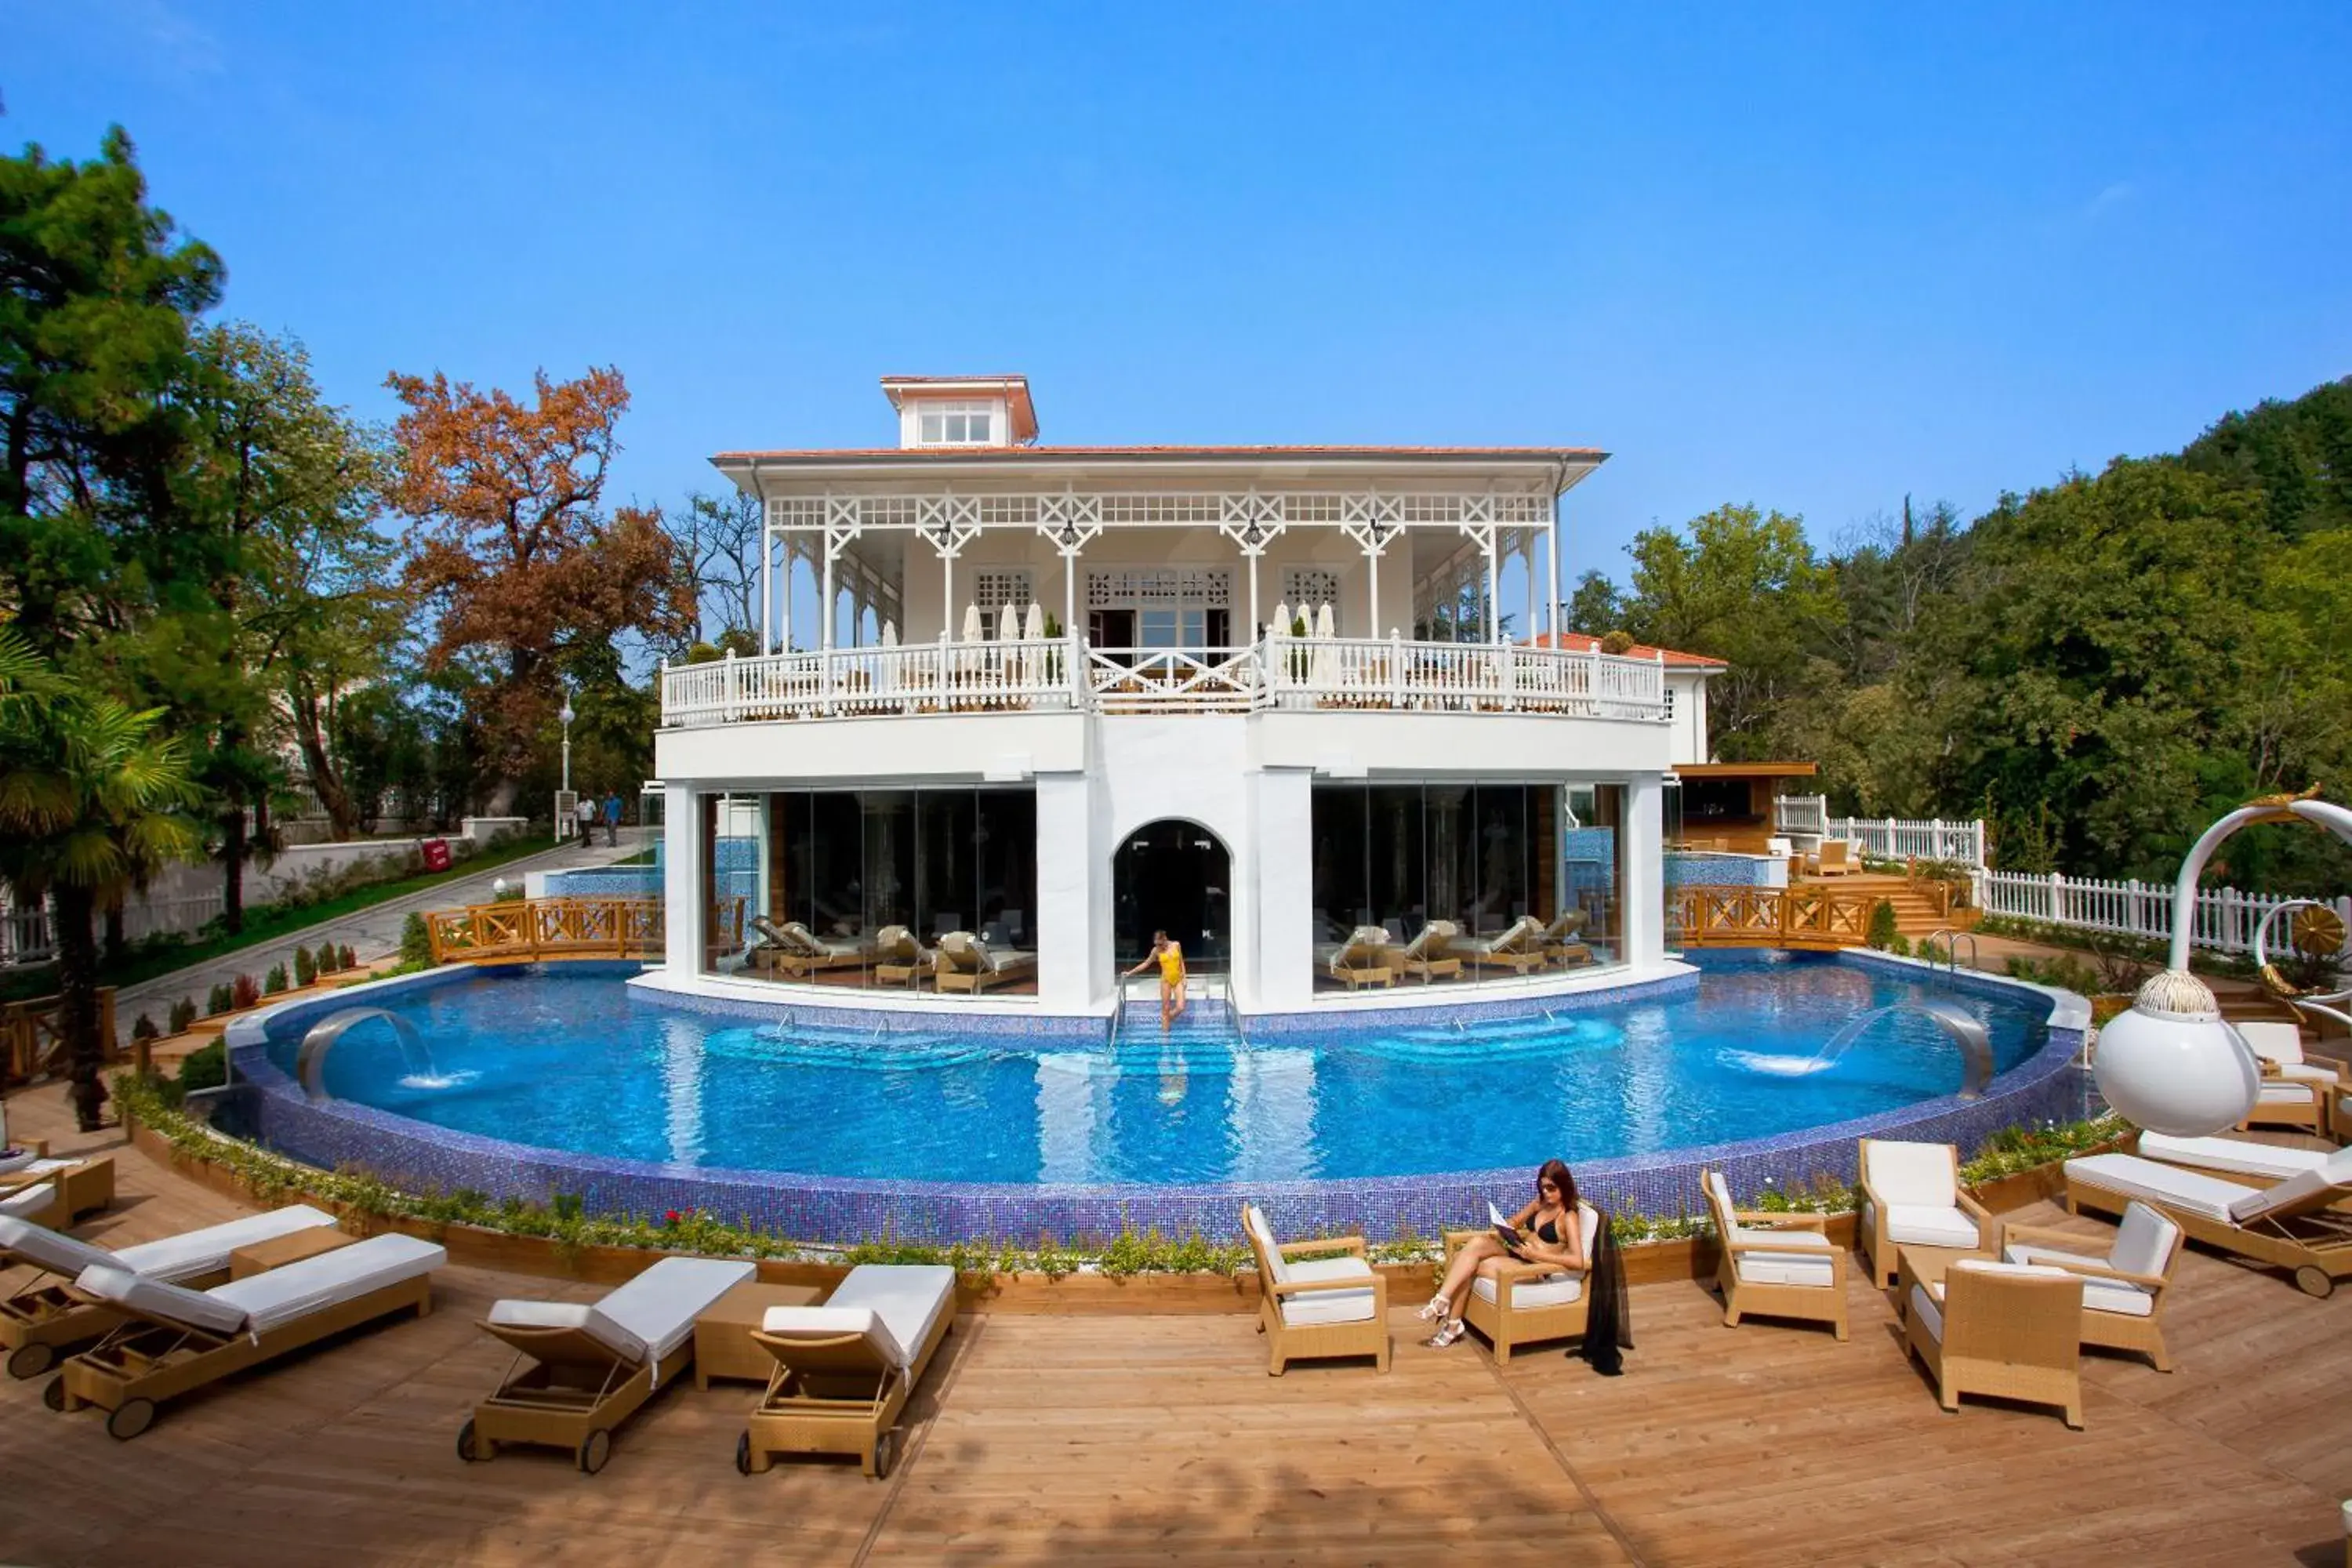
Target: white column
(1282, 979)
(784, 604)
(1644, 897)
(1493, 595)
(682, 899)
(767, 586)
(950, 627)
(1551, 555)
(1254, 627)
(1527, 561)
(1067, 902)
(1069, 593)
(828, 607)
(1372, 593)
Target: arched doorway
(1173, 876)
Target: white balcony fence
(2224, 922)
(1883, 837)
(1066, 673)
(29, 936)
(1806, 814)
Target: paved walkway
(373, 933)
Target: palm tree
(91, 801)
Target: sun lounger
(81, 1187)
(177, 1339)
(966, 963)
(1527, 1303)
(1319, 1307)
(581, 1369)
(899, 959)
(2292, 1225)
(1362, 960)
(1427, 954)
(2123, 1288)
(1518, 949)
(40, 1316)
(2237, 1159)
(2006, 1330)
(1911, 1196)
(1775, 1265)
(36, 1203)
(1563, 940)
(845, 1370)
(797, 950)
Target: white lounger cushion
(206, 1251)
(173, 1258)
(2336, 1170)
(314, 1284)
(18, 1208)
(2232, 1154)
(894, 1305)
(17, 1160)
(1785, 1267)
(2169, 1186)
(154, 1298)
(1314, 1307)
(644, 1320)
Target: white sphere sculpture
(2171, 1064)
(500, 888)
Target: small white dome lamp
(2172, 1064)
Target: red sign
(436, 854)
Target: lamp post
(2172, 1064)
(565, 718)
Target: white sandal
(1435, 1311)
(1454, 1330)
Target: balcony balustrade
(1068, 674)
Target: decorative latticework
(1118, 586)
(1303, 585)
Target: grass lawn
(264, 923)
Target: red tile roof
(935, 454)
(1584, 642)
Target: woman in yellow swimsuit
(1169, 955)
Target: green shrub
(1900, 946)
(144, 1030)
(219, 1000)
(415, 942)
(275, 981)
(243, 993)
(306, 968)
(346, 960)
(1882, 933)
(183, 1012)
(206, 1068)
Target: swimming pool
(585, 1064)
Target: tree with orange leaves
(508, 545)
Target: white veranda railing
(1883, 837)
(2225, 919)
(1065, 673)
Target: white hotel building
(1062, 696)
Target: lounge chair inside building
(964, 963)
(1518, 947)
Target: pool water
(584, 1064)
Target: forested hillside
(2100, 667)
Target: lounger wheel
(2313, 1280)
(595, 1449)
(134, 1416)
(471, 1449)
(54, 1396)
(31, 1361)
(743, 1455)
(886, 1448)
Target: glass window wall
(857, 888)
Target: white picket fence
(27, 936)
(2225, 919)
(1883, 837)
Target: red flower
(670, 1217)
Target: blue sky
(1807, 257)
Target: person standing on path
(613, 819)
(584, 812)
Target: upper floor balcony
(1068, 673)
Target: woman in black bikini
(1548, 1233)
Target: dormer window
(946, 423)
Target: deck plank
(1161, 1440)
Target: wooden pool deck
(1120, 1440)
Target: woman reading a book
(1544, 1231)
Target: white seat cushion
(1786, 1240)
(2169, 1186)
(906, 1297)
(206, 1251)
(1920, 1174)
(1923, 1225)
(1351, 1306)
(828, 1323)
(657, 1308)
(2232, 1154)
(1255, 1217)
(2098, 1295)
(1553, 1290)
(1929, 1311)
(2145, 1242)
(153, 1299)
(2306, 1072)
(14, 1160)
(315, 1284)
(1784, 1267)
(2284, 1091)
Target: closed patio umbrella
(1327, 660)
(1032, 657)
(972, 623)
